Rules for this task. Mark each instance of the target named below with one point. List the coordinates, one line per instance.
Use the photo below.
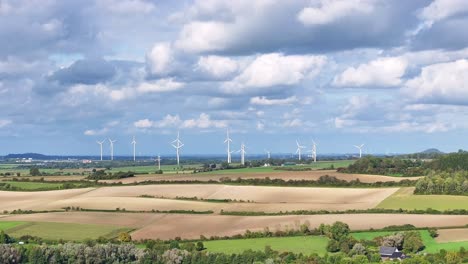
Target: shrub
(125, 237)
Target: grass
(313, 166)
(431, 245)
(167, 169)
(10, 224)
(65, 231)
(405, 199)
(34, 185)
(300, 244)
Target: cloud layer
(337, 69)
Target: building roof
(388, 251)
(396, 255)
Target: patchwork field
(317, 244)
(268, 199)
(405, 199)
(168, 226)
(452, 235)
(277, 174)
(66, 231)
(300, 244)
(431, 245)
(35, 200)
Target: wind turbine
(360, 149)
(228, 140)
(268, 153)
(314, 151)
(299, 149)
(159, 162)
(112, 147)
(242, 152)
(178, 145)
(134, 148)
(100, 144)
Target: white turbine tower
(268, 153)
(228, 140)
(314, 151)
(100, 144)
(360, 149)
(178, 145)
(112, 147)
(159, 162)
(134, 148)
(242, 152)
(299, 149)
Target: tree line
(453, 183)
(346, 250)
(386, 166)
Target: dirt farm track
(167, 226)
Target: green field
(56, 231)
(313, 166)
(8, 225)
(34, 185)
(153, 168)
(431, 245)
(405, 199)
(299, 244)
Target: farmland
(405, 199)
(256, 198)
(65, 231)
(431, 245)
(317, 244)
(299, 244)
(168, 226)
(34, 185)
(222, 208)
(277, 174)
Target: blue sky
(390, 74)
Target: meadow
(276, 169)
(65, 231)
(34, 185)
(299, 244)
(405, 199)
(431, 245)
(315, 244)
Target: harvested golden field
(285, 175)
(167, 226)
(36, 200)
(452, 235)
(268, 199)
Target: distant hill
(26, 156)
(431, 151)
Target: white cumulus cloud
(262, 100)
(174, 121)
(5, 122)
(162, 85)
(381, 72)
(204, 121)
(160, 59)
(276, 69)
(441, 9)
(203, 36)
(217, 66)
(327, 11)
(442, 83)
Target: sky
(390, 74)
